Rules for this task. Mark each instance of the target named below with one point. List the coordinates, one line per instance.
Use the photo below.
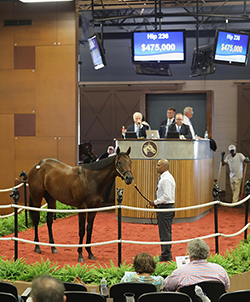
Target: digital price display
(96, 52)
(231, 47)
(161, 46)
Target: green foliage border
(235, 261)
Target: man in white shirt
(235, 163)
(165, 199)
(187, 115)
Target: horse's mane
(99, 165)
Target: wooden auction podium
(191, 164)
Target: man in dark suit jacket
(178, 126)
(167, 122)
(110, 150)
(137, 117)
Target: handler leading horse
(82, 186)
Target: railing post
(247, 189)
(15, 195)
(216, 192)
(119, 202)
(23, 174)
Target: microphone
(139, 123)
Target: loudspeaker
(147, 68)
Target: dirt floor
(230, 220)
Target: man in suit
(178, 126)
(110, 150)
(167, 122)
(137, 127)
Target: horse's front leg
(81, 221)
(49, 225)
(90, 221)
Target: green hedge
(235, 261)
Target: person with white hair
(198, 270)
(235, 163)
(138, 127)
(187, 115)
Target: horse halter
(122, 174)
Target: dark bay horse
(83, 186)
(85, 148)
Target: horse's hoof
(54, 250)
(80, 259)
(92, 257)
(37, 250)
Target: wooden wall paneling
(17, 91)
(6, 46)
(30, 150)
(92, 126)
(6, 11)
(67, 150)
(7, 158)
(97, 111)
(66, 33)
(25, 124)
(43, 30)
(145, 182)
(194, 183)
(55, 87)
(210, 113)
(104, 111)
(127, 101)
(24, 57)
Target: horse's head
(123, 165)
(86, 149)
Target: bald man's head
(162, 166)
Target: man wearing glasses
(182, 129)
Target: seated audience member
(137, 127)
(163, 130)
(47, 289)
(144, 266)
(187, 115)
(198, 270)
(110, 151)
(178, 126)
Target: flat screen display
(231, 47)
(96, 52)
(159, 46)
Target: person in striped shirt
(198, 270)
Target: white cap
(232, 147)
